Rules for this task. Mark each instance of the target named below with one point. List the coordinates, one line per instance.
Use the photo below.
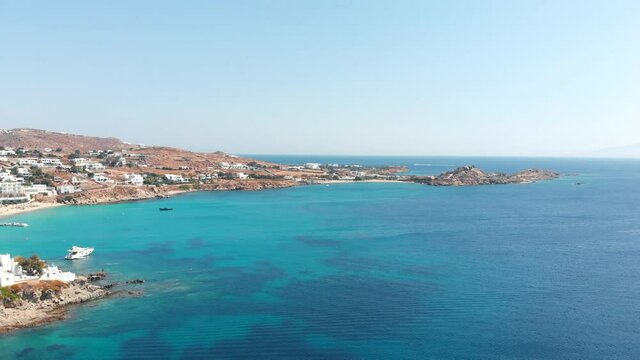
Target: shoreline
(18, 209)
(39, 307)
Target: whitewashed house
(101, 179)
(52, 272)
(174, 178)
(67, 189)
(6, 176)
(8, 270)
(11, 272)
(28, 162)
(134, 179)
(36, 189)
(79, 161)
(49, 162)
(23, 172)
(312, 166)
(94, 166)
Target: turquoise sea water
(379, 271)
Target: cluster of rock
(39, 302)
(470, 175)
(121, 193)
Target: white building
(67, 189)
(10, 188)
(52, 272)
(99, 178)
(134, 179)
(36, 189)
(5, 176)
(174, 178)
(79, 161)
(240, 175)
(11, 273)
(28, 162)
(94, 166)
(208, 176)
(8, 270)
(49, 162)
(23, 171)
(7, 152)
(312, 166)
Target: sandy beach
(15, 209)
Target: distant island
(41, 168)
(470, 176)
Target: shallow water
(546, 270)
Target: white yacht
(77, 252)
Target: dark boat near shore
(166, 209)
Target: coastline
(43, 306)
(17, 209)
(138, 194)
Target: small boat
(77, 252)
(16, 224)
(166, 209)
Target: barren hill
(41, 139)
(167, 158)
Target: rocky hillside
(470, 175)
(41, 139)
(39, 302)
(166, 157)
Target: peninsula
(34, 293)
(38, 302)
(41, 168)
(470, 175)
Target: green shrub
(32, 266)
(6, 293)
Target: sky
(506, 78)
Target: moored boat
(77, 252)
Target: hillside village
(52, 170)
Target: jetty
(14, 224)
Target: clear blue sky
(328, 77)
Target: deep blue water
(541, 271)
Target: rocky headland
(471, 176)
(36, 303)
(121, 193)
